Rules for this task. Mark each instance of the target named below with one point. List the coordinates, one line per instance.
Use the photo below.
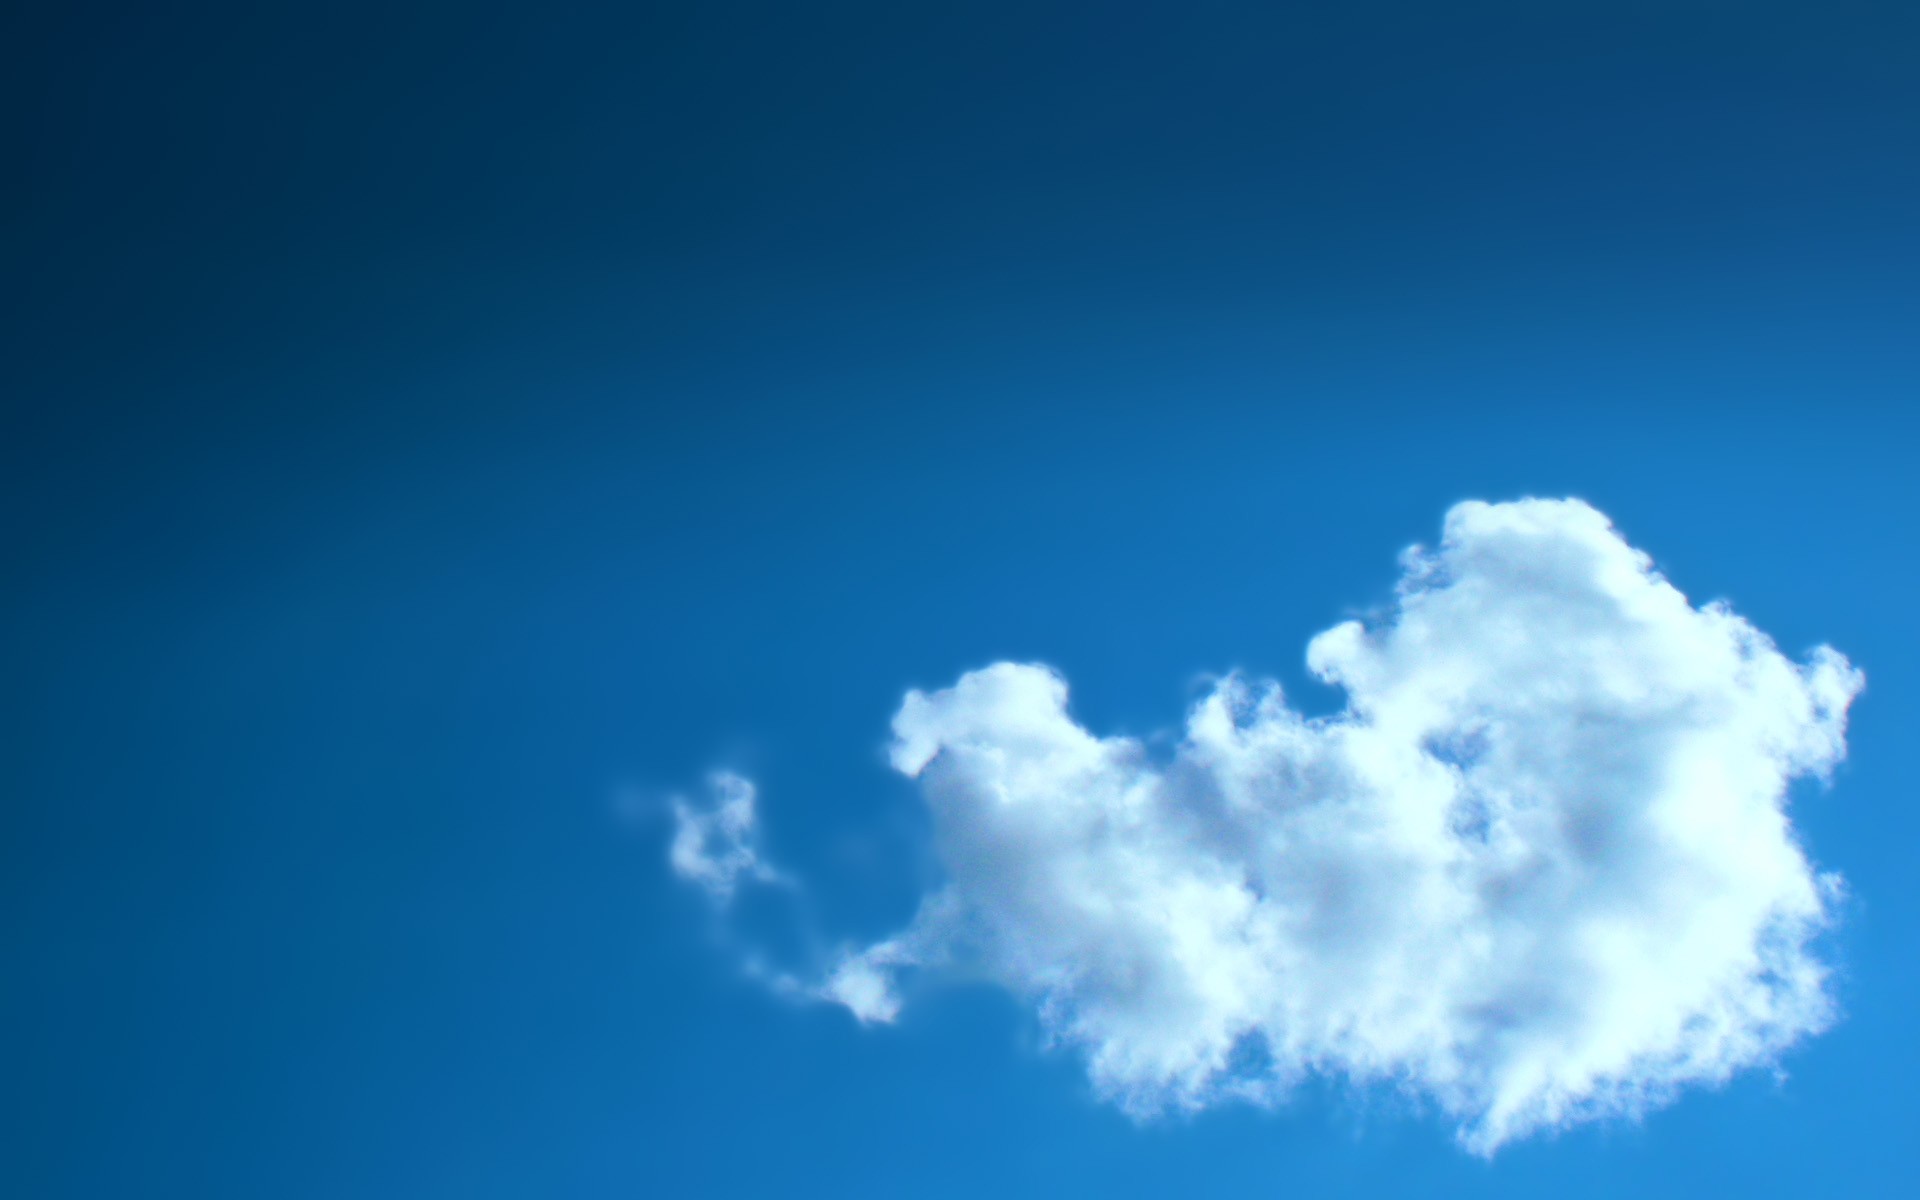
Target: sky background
(423, 428)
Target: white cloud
(716, 844)
(1538, 871)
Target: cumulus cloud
(1539, 869)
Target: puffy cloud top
(1539, 869)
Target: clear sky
(435, 437)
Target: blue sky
(425, 429)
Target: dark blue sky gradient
(421, 425)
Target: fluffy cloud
(1539, 870)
